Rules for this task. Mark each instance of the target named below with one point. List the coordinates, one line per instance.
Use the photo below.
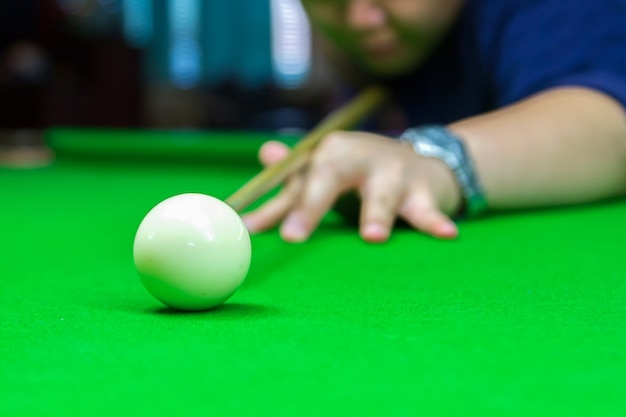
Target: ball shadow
(223, 311)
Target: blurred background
(226, 64)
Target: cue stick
(342, 118)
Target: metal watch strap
(436, 141)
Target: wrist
(441, 144)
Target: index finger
(321, 189)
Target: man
(527, 98)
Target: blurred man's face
(384, 37)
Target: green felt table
(523, 315)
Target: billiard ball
(192, 251)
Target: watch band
(436, 141)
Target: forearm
(564, 146)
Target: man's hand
(390, 178)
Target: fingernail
(375, 232)
(448, 229)
(293, 229)
(249, 223)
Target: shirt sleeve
(534, 45)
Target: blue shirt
(502, 51)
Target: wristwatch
(435, 141)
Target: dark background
(88, 63)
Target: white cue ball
(192, 251)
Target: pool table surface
(523, 315)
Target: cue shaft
(343, 118)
